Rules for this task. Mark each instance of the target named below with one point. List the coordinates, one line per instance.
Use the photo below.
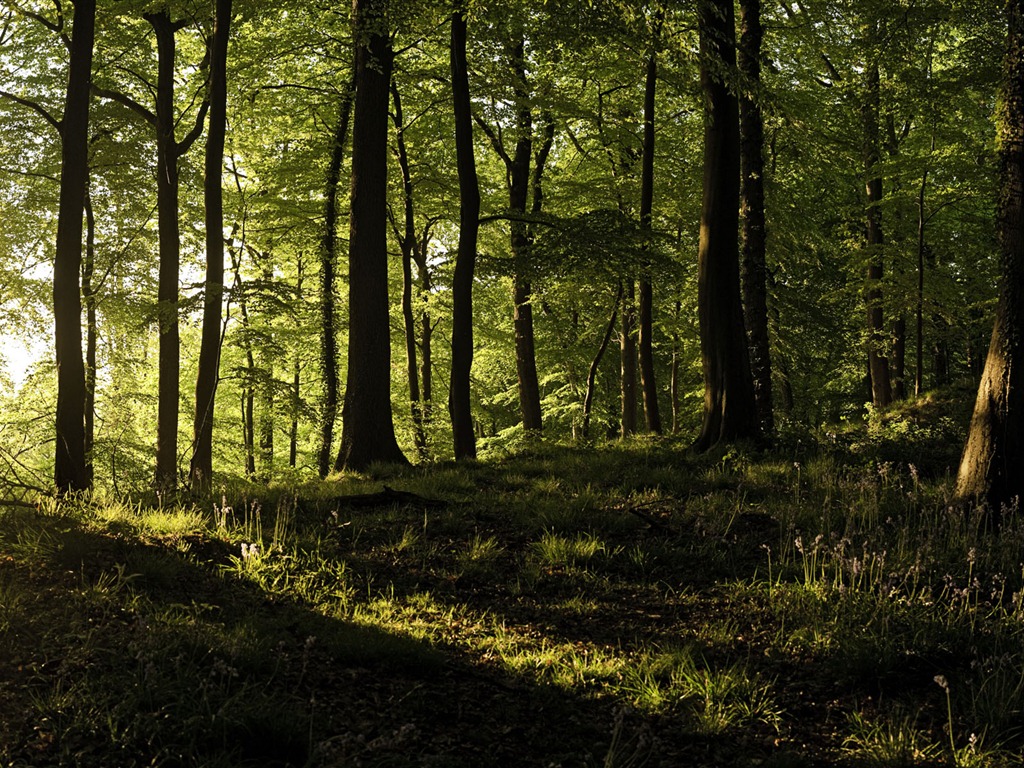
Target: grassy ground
(818, 605)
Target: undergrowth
(815, 605)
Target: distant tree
(70, 468)
(368, 431)
(730, 412)
(992, 467)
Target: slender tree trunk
(627, 360)
(296, 404)
(878, 362)
(89, 297)
(754, 270)
(409, 248)
(329, 389)
(899, 357)
(588, 399)
(70, 471)
(368, 431)
(522, 318)
(646, 331)
(991, 468)
(730, 411)
(266, 390)
(465, 259)
(919, 299)
(201, 469)
(674, 378)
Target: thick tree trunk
(201, 469)
(878, 362)
(296, 393)
(754, 270)
(674, 375)
(368, 431)
(730, 412)
(329, 389)
(465, 259)
(70, 472)
(993, 459)
(646, 331)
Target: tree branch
(35, 107)
(126, 101)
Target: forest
(457, 383)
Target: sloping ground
(615, 608)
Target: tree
(201, 469)
(70, 466)
(753, 268)
(368, 431)
(730, 412)
(328, 303)
(169, 151)
(645, 341)
(465, 259)
(990, 471)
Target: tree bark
(465, 259)
(89, 297)
(201, 469)
(588, 399)
(168, 386)
(648, 385)
(878, 362)
(627, 360)
(409, 246)
(993, 459)
(70, 472)
(329, 389)
(754, 269)
(730, 412)
(368, 431)
(522, 318)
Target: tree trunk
(754, 268)
(990, 470)
(674, 376)
(878, 362)
(368, 431)
(730, 412)
(70, 472)
(328, 301)
(89, 297)
(296, 404)
(646, 331)
(465, 259)
(201, 469)
(522, 318)
(627, 361)
(168, 387)
(407, 241)
(588, 399)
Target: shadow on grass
(120, 652)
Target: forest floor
(818, 604)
